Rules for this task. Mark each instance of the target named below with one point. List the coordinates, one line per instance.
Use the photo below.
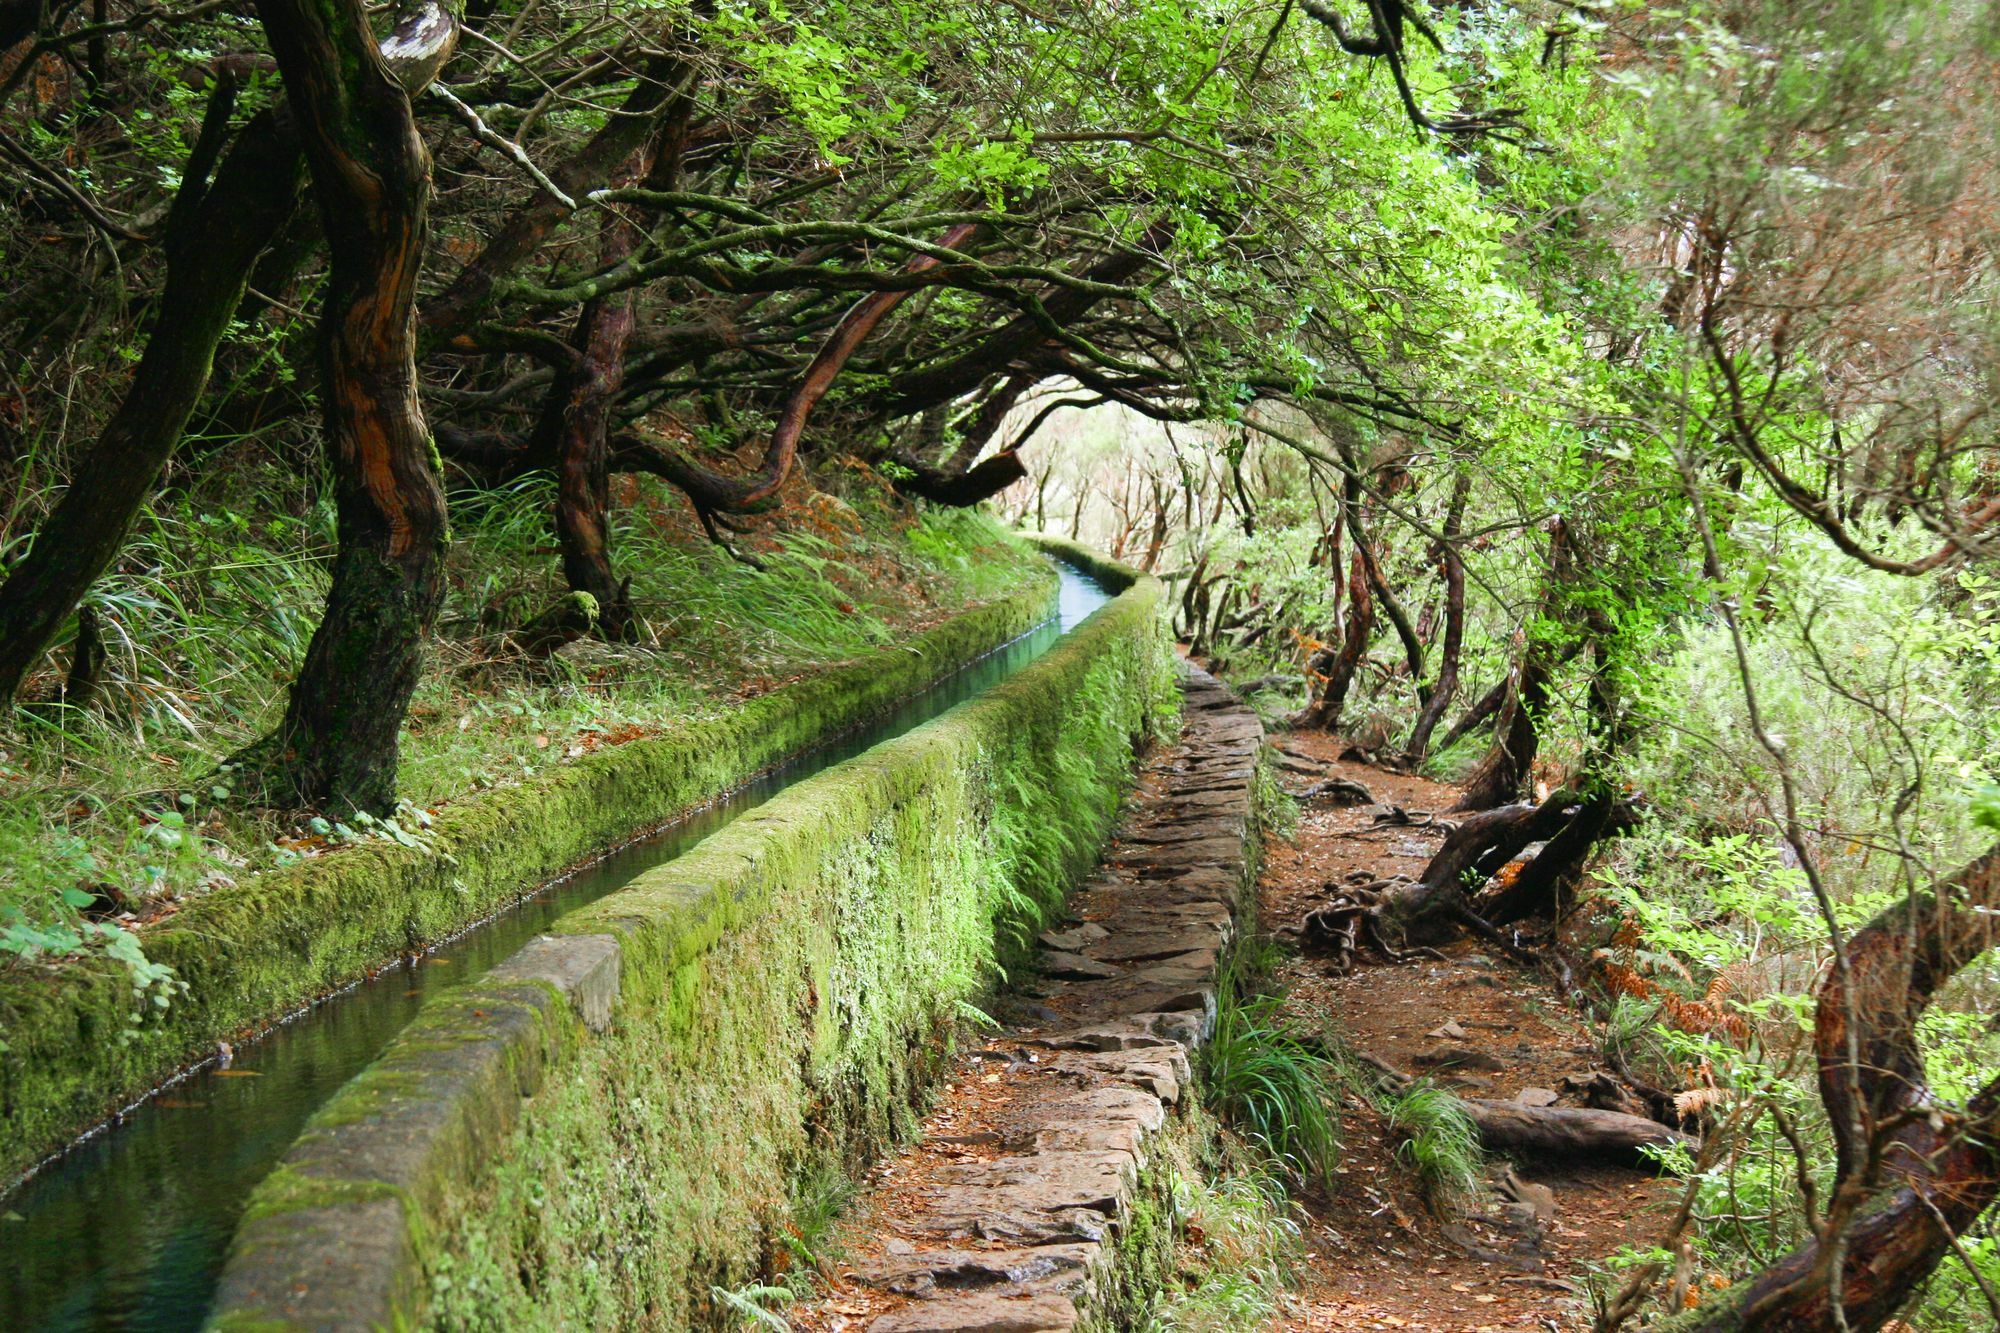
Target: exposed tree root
(1388, 915)
(1338, 792)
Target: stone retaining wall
(609, 1125)
(1064, 1221)
(255, 951)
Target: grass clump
(1277, 809)
(1239, 1245)
(1440, 1144)
(1266, 1082)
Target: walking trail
(1035, 1163)
(1379, 1258)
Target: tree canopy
(1574, 398)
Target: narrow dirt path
(1379, 1259)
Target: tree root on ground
(1389, 916)
(1555, 1131)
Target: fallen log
(1572, 1131)
(1554, 1131)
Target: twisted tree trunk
(337, 747)
(1325, 709)
(1914, 1172)
(1502, 774)
(1445, 688)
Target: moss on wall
(785, 994)
(1105, 570)
(255, 951)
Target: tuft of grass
(1271, 1086)
(1440, 1144)
(809, 1238)
(1239, 1246)
(1277, 810)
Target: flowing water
(129, 1229)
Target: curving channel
(129, 1229)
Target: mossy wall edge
(253, 952)
(784, 997)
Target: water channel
(129, 1228)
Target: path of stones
(1010, 1229)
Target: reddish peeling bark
(1913, 1172)
(1325, 709)
(581, 414)
(337, 747)
(713, 491)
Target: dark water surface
(129, 1229)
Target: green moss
(787, 990)
(287, 1191)
(251, 952)
(1108, 572)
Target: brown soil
(1378, 1258)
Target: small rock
(1451, 1031)
(897, 1245)
(1536, 1097)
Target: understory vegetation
(113, 815)
(1591, 404)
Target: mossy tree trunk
(337, 745)
(215, 232)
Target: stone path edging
(1029, 1241)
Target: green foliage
(1268, 1083)
(1440, 1144)
(754, 1305)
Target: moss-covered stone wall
(255, 951)
(529, 1156)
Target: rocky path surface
(1024, 1206)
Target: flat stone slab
(931, 1274)
(1075, 967)
(1161, 862)
(987, 1311)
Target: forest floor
(1377, 1257)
